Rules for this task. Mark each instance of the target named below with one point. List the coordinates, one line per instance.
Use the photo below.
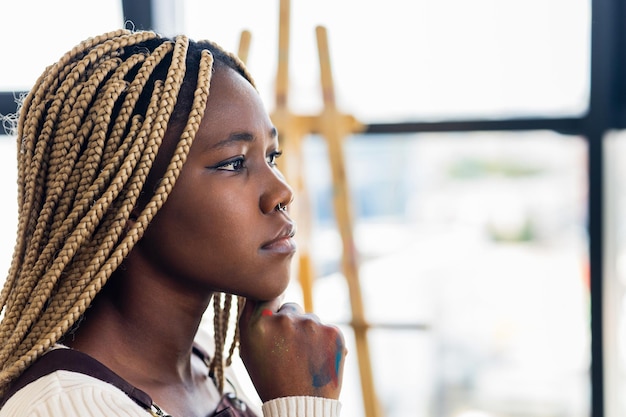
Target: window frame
(606, 111)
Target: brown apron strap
(63, 359)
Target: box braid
(88, 134)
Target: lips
(283, 242)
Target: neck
(139, 321)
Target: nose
(277, 194)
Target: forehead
(233, 105)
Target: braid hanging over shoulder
(87, 136)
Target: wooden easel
(334, 126)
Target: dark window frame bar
(607, 111)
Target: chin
(273, 294)
(271, 291)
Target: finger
(291, 308)
(255, 309)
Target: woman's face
(221, 228)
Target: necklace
(156, 411)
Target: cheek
(212, 227)
(181, 225)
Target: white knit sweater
(71, 394)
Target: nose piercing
(281, 207)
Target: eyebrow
(240, 137)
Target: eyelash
(238, 163)
(272, 157)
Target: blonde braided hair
(88, 134)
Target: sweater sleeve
(301, 407)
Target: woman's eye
(271, 158)
(232, 165)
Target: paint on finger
(329, 371)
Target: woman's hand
(289, 353)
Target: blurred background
(487, 186)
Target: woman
(148, 187)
